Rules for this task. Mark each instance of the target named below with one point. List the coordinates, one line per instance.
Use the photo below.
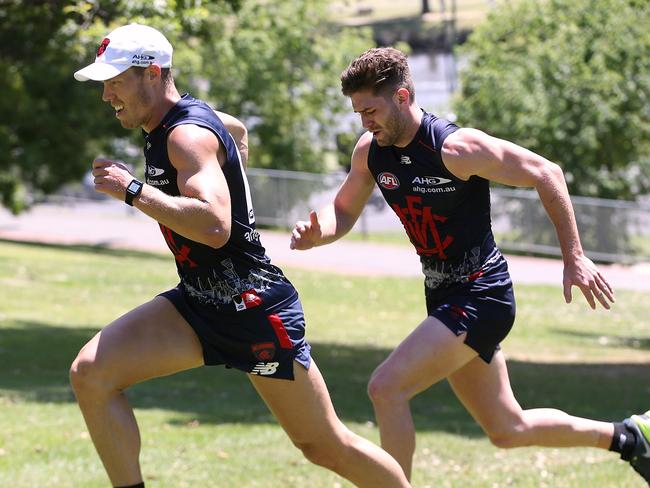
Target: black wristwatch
(132, 191)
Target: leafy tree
(45, 123)
(53, 125)
(276, 66)
(569, 79)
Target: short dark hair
(166, 76)
(165, 73)
(382, 70)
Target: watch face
(133, 186)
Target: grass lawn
(208, 428)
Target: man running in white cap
(231, 307)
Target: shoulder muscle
(361, 151)
(189, 145)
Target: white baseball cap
(126, 46)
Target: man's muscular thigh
(151, 340)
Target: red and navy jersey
(446, 219)
(239, 274)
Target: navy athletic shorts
(482, 307)
(259, 340)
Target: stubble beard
(139, 108)
(393, 129)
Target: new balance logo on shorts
(265, 369)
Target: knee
(86, 376)
(322, 454)
(508, 437)
(383, 388)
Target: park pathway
(111, 224)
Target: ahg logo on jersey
(432, 184)
(430, 180)
(153, 171)
(388, 180)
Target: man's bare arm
(238, 132)
(337, 218)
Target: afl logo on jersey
(388, 180)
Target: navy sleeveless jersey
(226, 278)
(446, 219)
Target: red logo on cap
(102, 47)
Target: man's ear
(153, 71)
(403, 96)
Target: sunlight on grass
(203, 427)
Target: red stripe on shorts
(280, 331)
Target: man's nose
(107, 94)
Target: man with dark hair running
(435, 176)
(231, 307)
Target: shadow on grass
(34, 361)
(608, 340)
(101, 249)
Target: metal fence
(610, 230)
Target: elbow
(556, 171)
(240, 133)
(217, 235)
(548, 174)
(556, 174)
(217, 238)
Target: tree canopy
(568, 79)
(276, 65)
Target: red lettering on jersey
(181, 255)
(420, 225)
